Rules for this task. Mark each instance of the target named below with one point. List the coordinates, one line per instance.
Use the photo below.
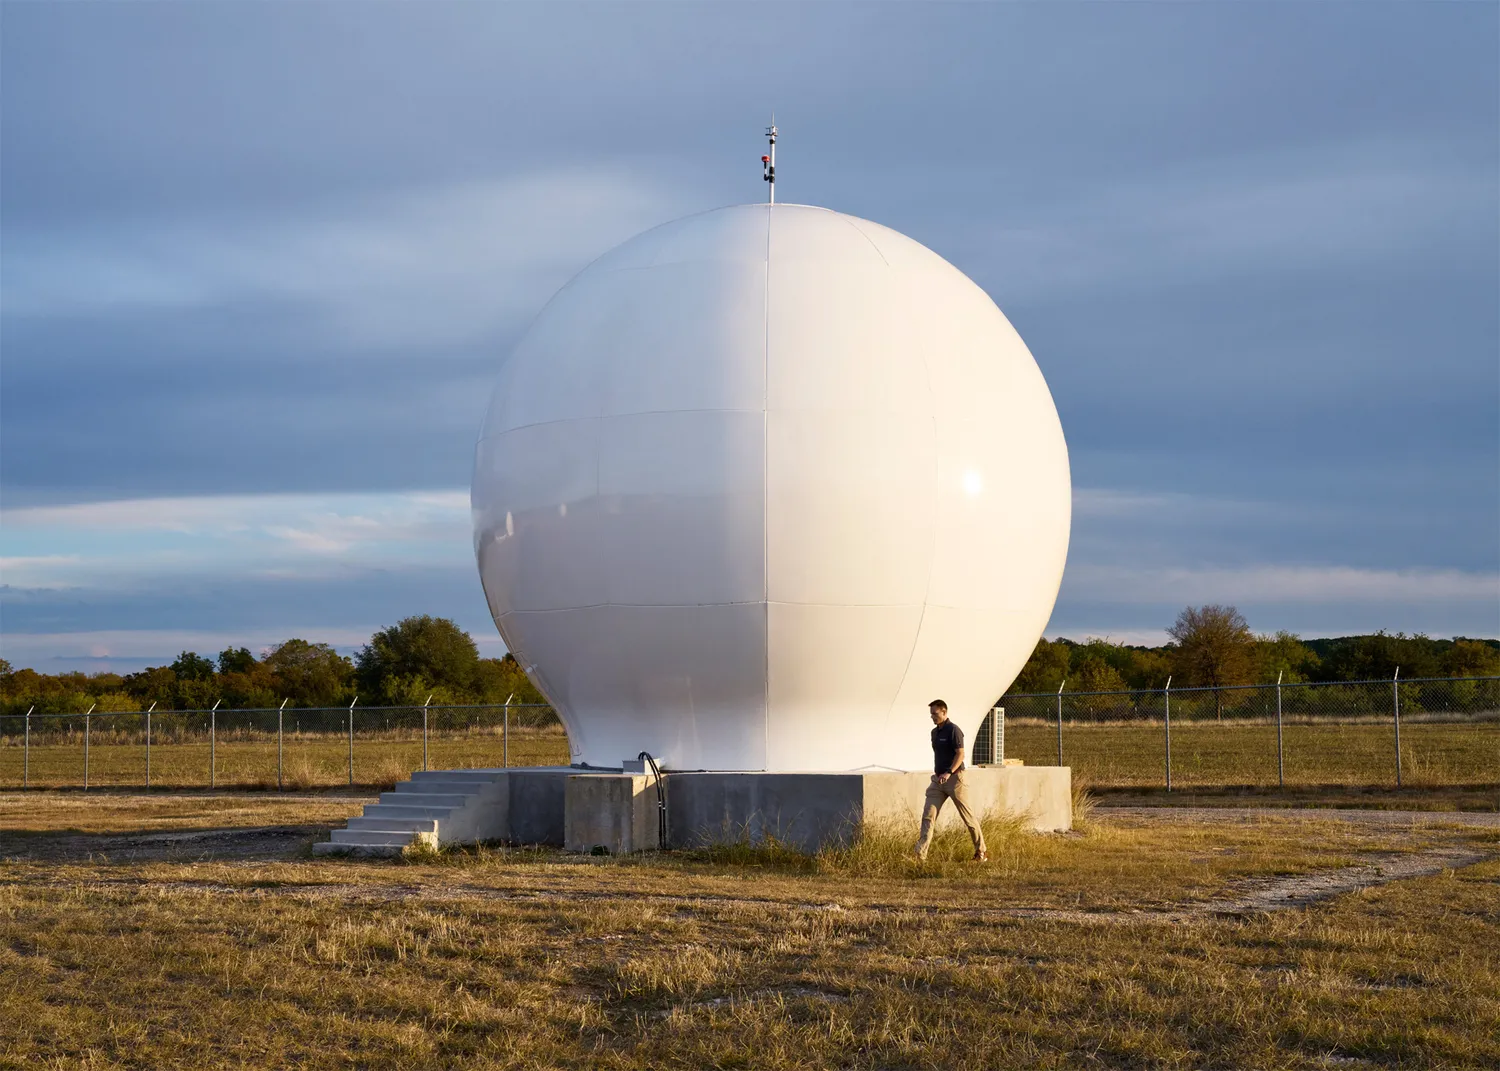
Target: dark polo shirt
(947, 741)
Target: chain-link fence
(1443, 732)
(290, 748)
(1437, 732)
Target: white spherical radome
(759, 484)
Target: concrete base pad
(588, 810)
(619, 813)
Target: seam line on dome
(610, 416)
(670, 412)
(878, 251)
(638, 606)
(741, 602)
(765, 498)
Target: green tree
(1286, 656)
(1137, 667)
(498, 679)
(99, 683)
(1471, 658)
(412, 690)
(191, 666)
(18, 689)
(236, 660)
(1215, 647)
(154, 684)
(1093, 674)
(310, 674)
(1376, 657)
(432, 649)
(252, 688)
(1046, 667)
(1149, 667)
(197, 693)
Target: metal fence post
(424, 731)
(1396, 717)
(86, 746)
(1059, 720)
(280, 721)
(351, 740)
(997, 735)
(1280, 752)
(1166, 721)
(505, 745)
(213, 736)
(1467, 703)
(26, 752)
(148, 742)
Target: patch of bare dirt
(1245, 898)
(1264, 895)
(247, 843)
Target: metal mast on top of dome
(768, 163)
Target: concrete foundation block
(812, 810)
(538, 804)
(616, 812)
(802, 810)
(582, 810)
(1041, 796)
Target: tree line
(402, 665)
(427, 656)
(1215, 646)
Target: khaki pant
(951, 789)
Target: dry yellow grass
(1244, 753)
(1484, 798)
(493, 958)
(307, 762)
(37, 814)
(1435, 755)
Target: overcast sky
(260, 264)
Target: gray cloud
(257, 249)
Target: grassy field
(37, 816)
(307, 761)
(1482, 798)
(1203, 755)
(117, 955)
(1206, 754)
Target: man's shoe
(981, 857)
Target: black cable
(661, 800)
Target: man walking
(948, 782)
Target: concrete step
(450, 800)
(471, 785)
(387, 822)
(457, 775)
(400, 810)
(400, 837)
(450, 803)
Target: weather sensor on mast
(768, 163)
